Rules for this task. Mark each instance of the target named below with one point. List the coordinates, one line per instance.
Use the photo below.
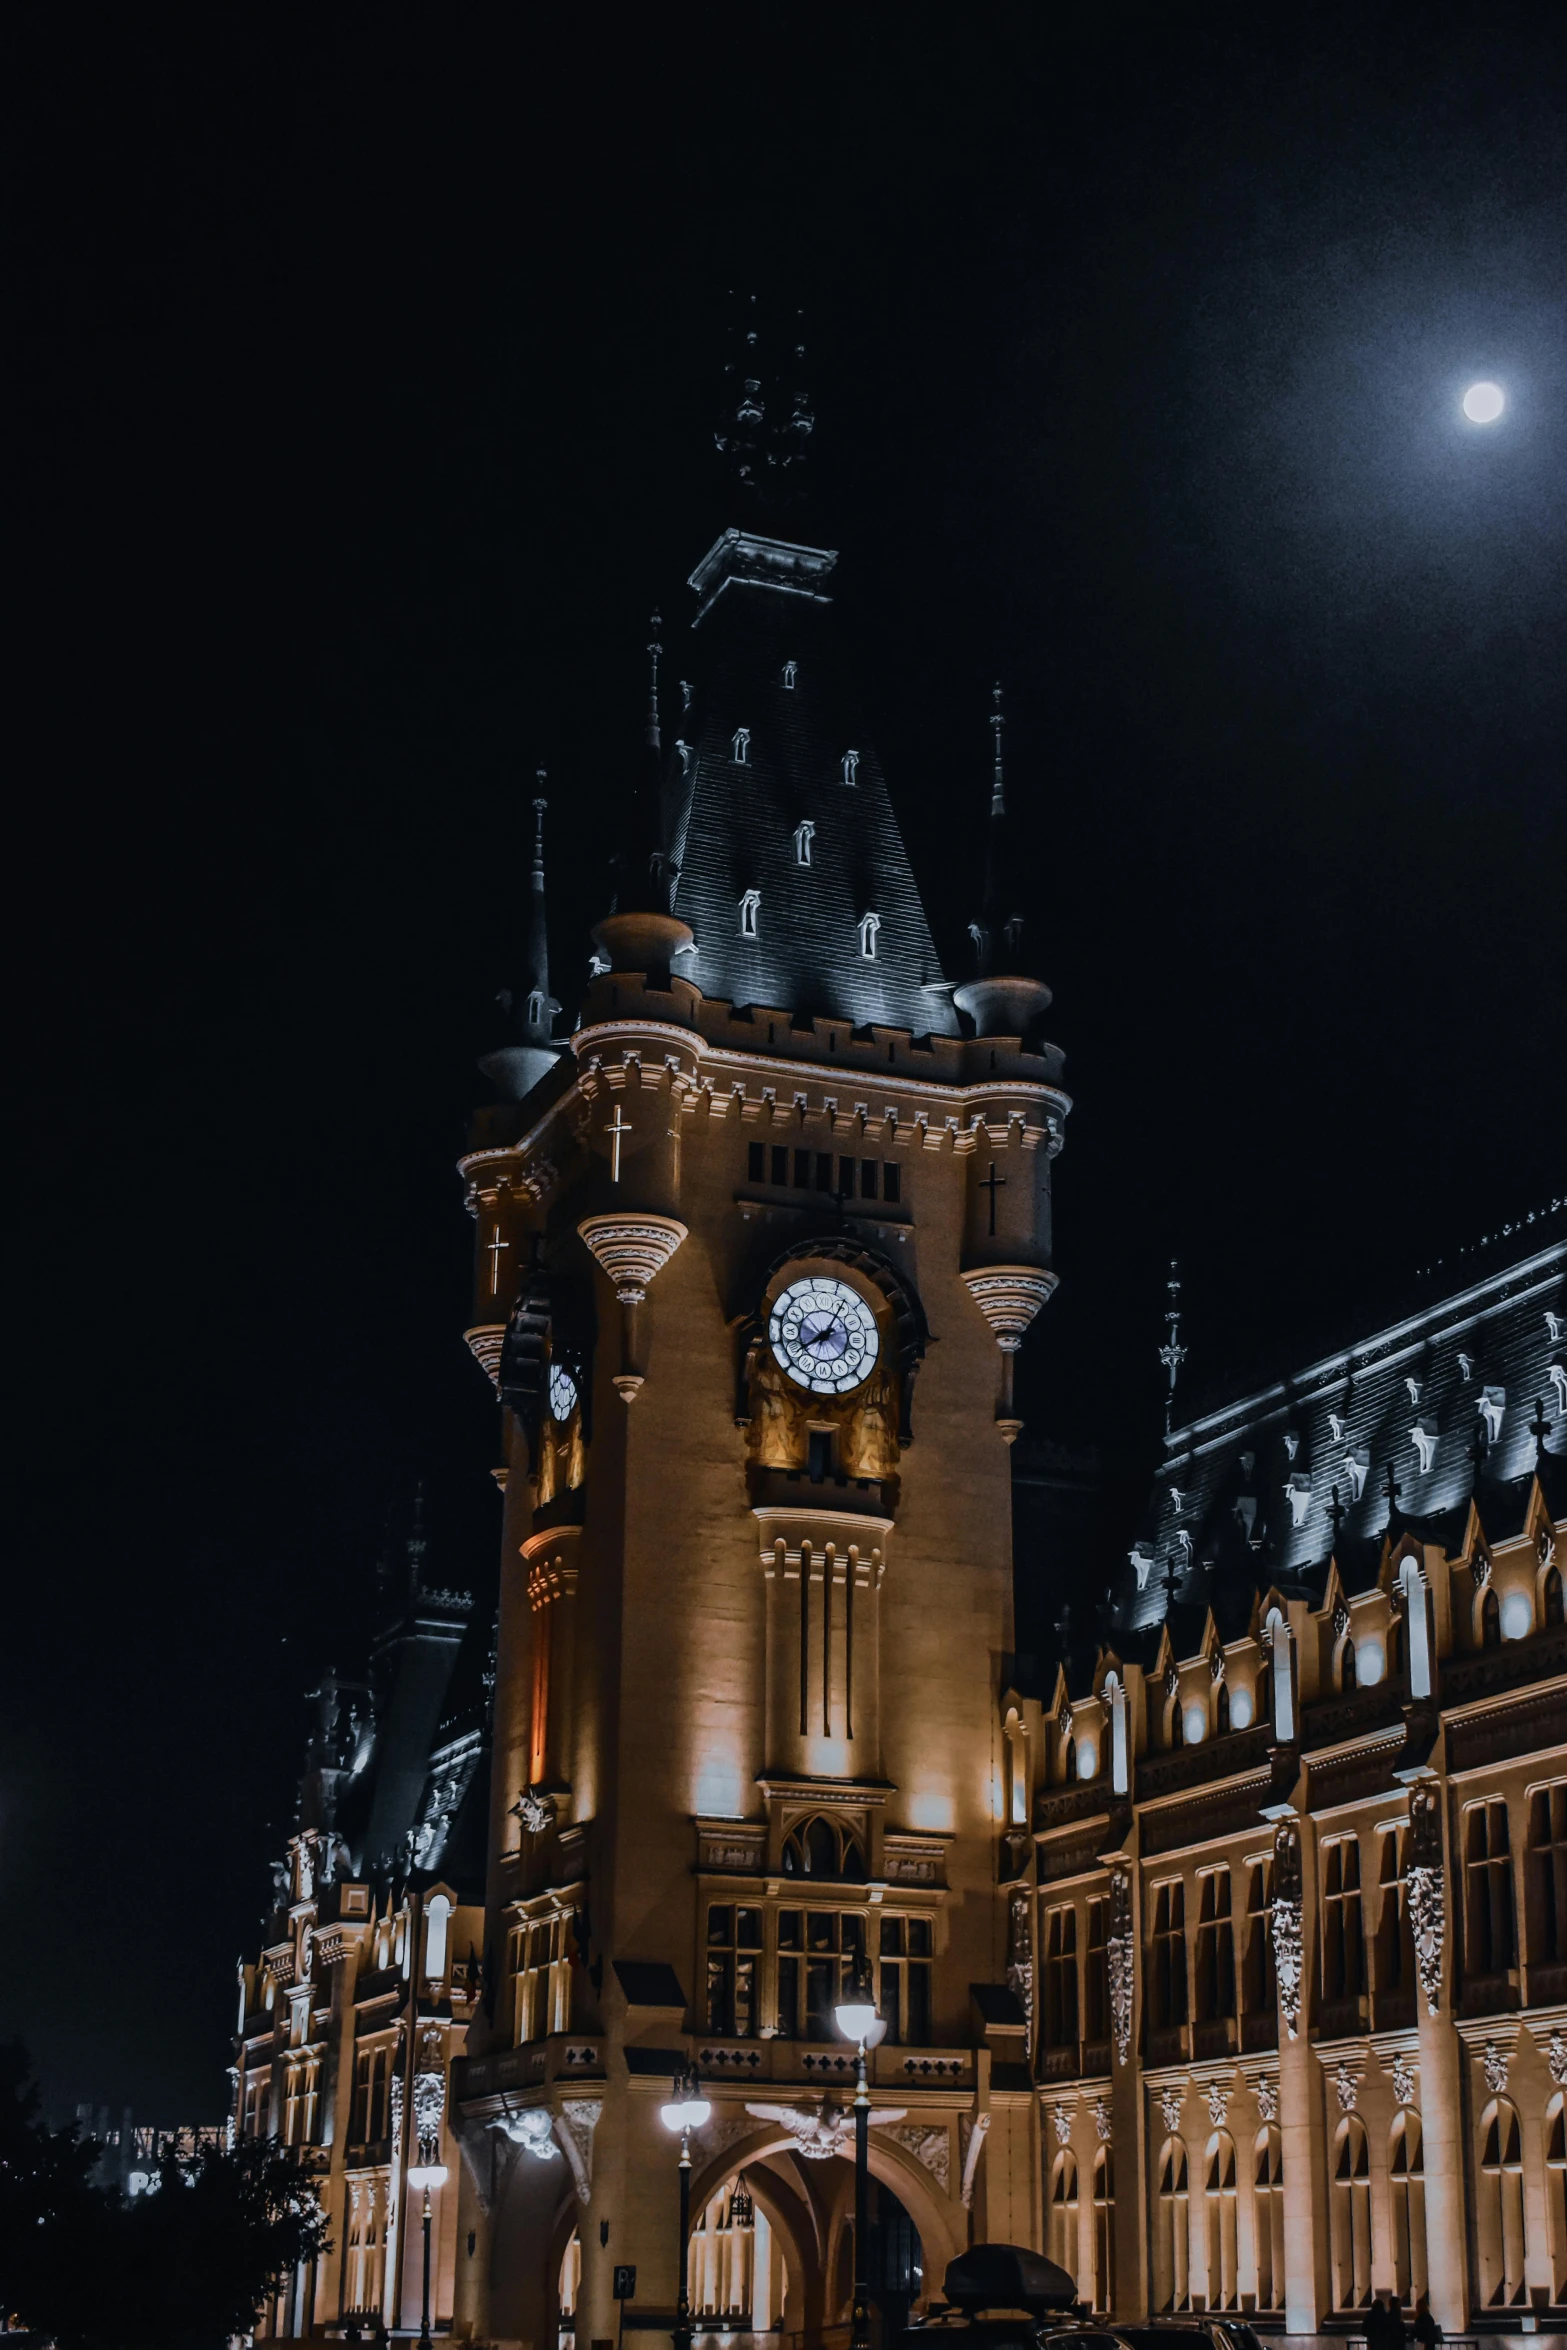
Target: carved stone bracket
(974, 2135)
(1346, 2087)
(532, 2129)
(1217, 2098)
(1266, 2092)
(931, 2147)
(1103, 2119)
(1493, 2063)
(575, 2124)
(1556, 2059)
(1061, 2123)
(1172, 2102)
(1288, 1947)
(632, 1250)
(1009, 1297)
(1403, 2077)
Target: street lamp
(686, 2111)
(426, 2175)
(858, 2021)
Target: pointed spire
(515, 1069)
(653, 652)
(765, 430)
(1172, 1354)
(1001, 999)
(641, 934)
(418, 1543)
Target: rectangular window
(780, 1164)
(1261, 1993)
(1168, 1972)
(869, 1170)
(789, 1940)
(904, 1994)
(802, 1170)
(1548, 1871)
(1395, 1948)
(1061, 1977)
(824, 1171)
(846, 1179)
(1097, 1973)
(1343, 1936)
(756, 1162)
(1488, 1886)
(892, 1183)
(734, 1945)
(1215, 1948)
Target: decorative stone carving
(1340, 1619)
(1427, 1914)
(487, 1340)
(1556, 2059)
(931, 2147)
(579, 2118)
(532, 2130)
(429, 2101)
(777, 1434)
(535, 1811)
(722, 2130)
(825, 2128)
(1493, 2063)
(1020, 1958)
(1403, 2080)
(396, 2086)
(632, 1250)
(1121, 1956)
(1287, 1942)
(1266, 2092)
(1172, 1681)
(1218, 2103)
(1064, 1718)
(1216, 1666)
(974, 2134)
(870, 1443)
(1481, 1568)
(1171, 2102)
(1346, 2087)
(1103, 2119)
(1009, 1297)
(1061, 2122)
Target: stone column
(1441, 2100)
(1307, 2292)
(1128, 2107)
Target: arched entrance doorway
(895, 2265)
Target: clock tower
(754, 1250)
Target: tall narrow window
(740, 748)
(1407, 2194)
(1063, 2211)
(1096, 2020)
(1268, 2218)
(1551, 1609)
(1488, 1890)
(1346, 1671)
(734, 1947)
(790, 672)
(1260, 1992)
(1548, 1872)
(1104, 2228)
(1219, 2194)
(1556, 2193)
(1174, 2227)
(750, 907)
(851, 766)
(1503, 2245)
(1351, 2216)
(1395, 1958)
(1215, 1948)
(1343, 1949)
(870, 924)
(1168, 1983)
(804, 834)
(1490, 1619)
(1061, 1977)
(905, 1980)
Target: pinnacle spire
(1172, 1354)
(1001, 999)
(654, 651)
(767, 423)
(515, 1068)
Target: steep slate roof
(1224, 1482)
(730, 827)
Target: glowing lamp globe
(426, 2174)
(1483, 403)
(687, 2109)
(856, 2011)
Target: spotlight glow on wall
(1195, 1721)
(1240, 1709)
(1517, 1616)
(1483, 403)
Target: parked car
(1004, 2297)
(1191, 2333)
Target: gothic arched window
(1063, 2211)
(1224, 1709)
(1174, 2240)
(1556, 2192)
(1351, 2215)
(1104, 2228)
(1346, 1668)
(1503, 2241)
(1551, 1596)
(1407, 2186)
(1219, 2194)
(819, 1847)
(1268, 2218)
(1490, 1620)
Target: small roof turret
(1001, 999)
(516, 1068)
(640, 933)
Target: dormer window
(1558, 1375)
(1298, 1494)
(851, 766)
(1493, 1403)
(536, 1009)
(869, 925)
(1356, 1465)
(789, 675)
(740, 748)
(750, 907)
(1336, 1427)
(804, 834)
(1424, 1441)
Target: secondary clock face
(563, 1394)
(824, 1335)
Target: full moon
(1483, 403)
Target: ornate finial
(1539, 1429)
(766, 429)
(654, 650)
(539, 805)
(418, 1541)
(1172, 1354)
(998, 801)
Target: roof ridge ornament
(1172, 1354)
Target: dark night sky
(361, 381)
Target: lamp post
(858, 2021)
(686, 2111)
(426, 2175)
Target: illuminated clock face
(563, 1393)
(824, 1335)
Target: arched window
(1500, 2212)
(1556, 2192)
(1351, 2216)
(819, 1847)
(1268, 2218)
(1104, 2228)
(1063, 2211)
(1017, 1772)
(1551, 1596)
(436, 1912)
(1219, 2194)
(1071, 1760)
(1177, 1729)
(1174, 2228)
(722, 2263)
(1412, 1583)
(1490, 1619)
(1407, 2188)
(1224, 1709)
(1395, 1649)
(1346, 1667)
